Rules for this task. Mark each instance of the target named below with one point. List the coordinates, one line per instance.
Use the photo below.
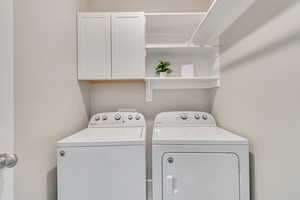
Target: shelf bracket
(148, 91)
(216, 68)
(216, 65)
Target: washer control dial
(204, 116)
(117, 116)
(137, 117)
(184, 116)
(97, 118)
(104, 117)
(130, 117)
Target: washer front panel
(105, 172)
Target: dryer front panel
(200, 176)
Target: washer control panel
(188, 118)
(115, 119)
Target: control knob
(197, 116)
(104, 117)
(184, 116)
(137, 117)
(97, 118)
(205, 117)
(117, 116)
(130, 117)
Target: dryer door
(200, 176)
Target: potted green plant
(163, 69)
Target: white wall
(112, 96)
(260, 94)
(50, 104)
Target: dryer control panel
(185, 118)
(117, 119)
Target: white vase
(163, 74)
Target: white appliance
(194, 159)
(104, 161)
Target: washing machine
(194, 159)
(105, 161)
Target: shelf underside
(170, 82)
(183, 83)
(181, 50)
(153, 83)
(116, 81)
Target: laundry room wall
(112, 96)
(50, 103)
(260, 94)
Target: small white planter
(163, 74)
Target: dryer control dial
(197, 116)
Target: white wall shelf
(219, 17)
(189, 38)
(203, 82)
(204, 60)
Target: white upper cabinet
(128, 45)
(111, 46)
(94, 46)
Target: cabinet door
(94, 46)
(200, 176)
(128, 45)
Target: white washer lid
(105, 136)
(195, 135)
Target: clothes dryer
(194, 159)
